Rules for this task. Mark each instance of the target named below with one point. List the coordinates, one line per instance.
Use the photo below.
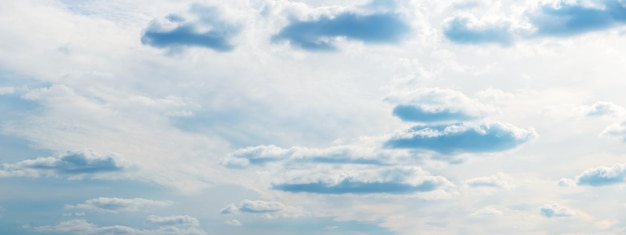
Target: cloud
(82, 227)
(76, 165)
(318, 35)
(601, 108)
(233, 222)
(461, 138)
(563, 19)
(254, 207)
(430, 105)
(465, 30)
(573, 18)
(602, 176)
(397, 180)
(554, 210)
(176, 31)
(172, 221)
(118, 205)
(495, 181)
(344, 154)
(616, 131)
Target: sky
(312, 117)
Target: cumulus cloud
(554, 210)
(495, 181)
(466, 30)
(396, 180)
(461, 138)
(568, 18)
(204, 29)
(85, 164)
(254, 207)
(601, 176)
(82, 227)
(117, 205)
(429, 105)
(318, 35)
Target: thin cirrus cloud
(565, 19)
(317, 35)
(461, 138)
(253, 207)
(85, 164)
(206, 30)
(396, 180)
(117, 205)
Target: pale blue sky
(312, 117)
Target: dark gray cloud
(317, 35)
(205, 30)
(460, 30)
(461, 138)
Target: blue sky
(312, 117)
